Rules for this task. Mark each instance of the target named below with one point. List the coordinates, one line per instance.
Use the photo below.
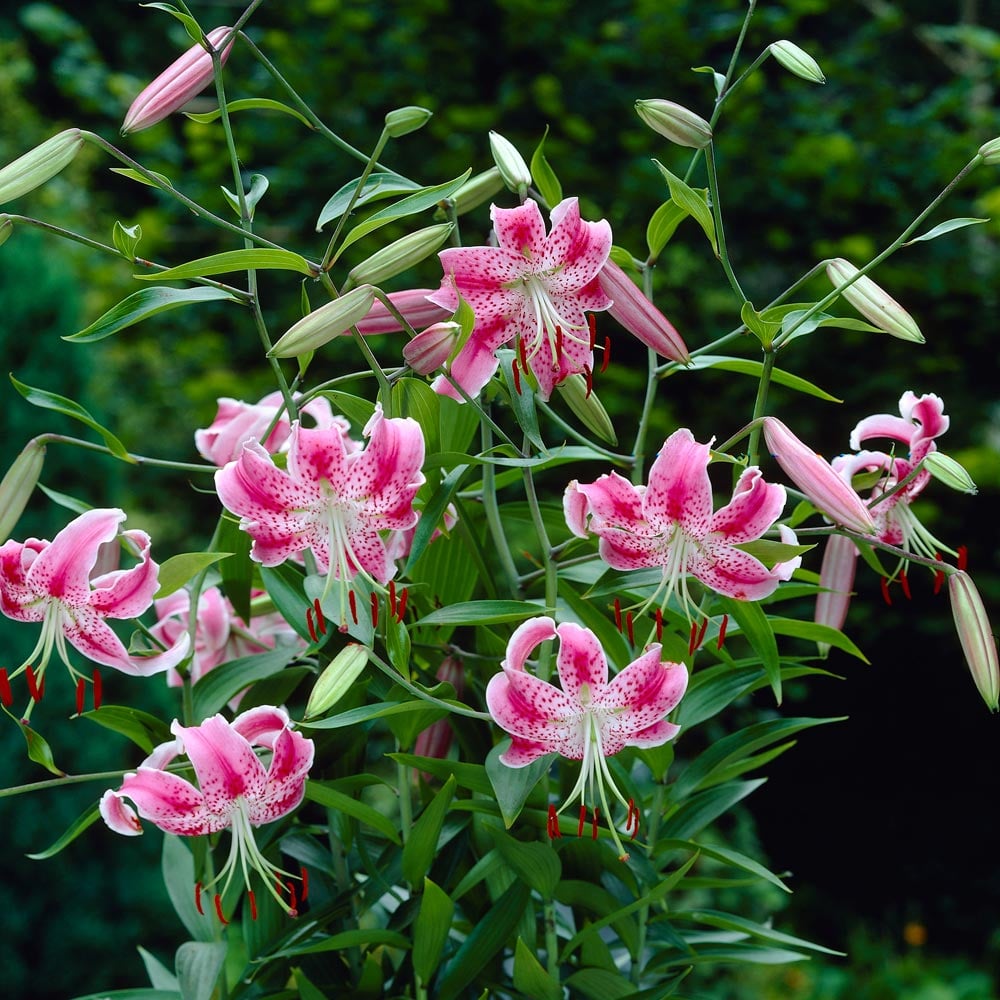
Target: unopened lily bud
(336, 679)
(429, 350)
(875, 304)
(990, 151)
(510, 163)
(38, 165)
(18, 484)
(400, 255)
(796, 60)
(675, 122)
(477, 190)
(403, 121)
(435, 740)
(6, 229)
(412, 304)
(976, 636)
(583, 401)
(639, 316)
(816, 478)
(176, 85)
(836, 580)
(323, 324)
(945, 469)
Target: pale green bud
(510, 163)
(18, 485)
(336, 680)
(323, 324)
(476, 190)
(39, 164)
(976, 636)
(400, 255)
(675, 122)
(402, 121)
(797, 61)
(582, 400)
(873, 302)
(990, 151)
(948, 471)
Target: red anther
(632, 819)
(305, 881)
(938, 575)
(392, 598)
(694, 635)
(618, 614)
(33, 688)
(593, 825)
(592, 323)
(197, 898)
(517, 377)
(905, 583)
(218, 909)
(885, 591)
(352, 600)
(81, 690)
(310, 626)
(552, 824)
(320, 620)
(98, 689)
(253, 904)
(583, 819)
(702, 631)
(588, 374)
(659, 624)
(628, 627)
(559, 341)
(722, 631)
(374, 600)
(6, 695)
(292, 901)
(402, 604)
(607, 355)
(522, 353)
(963, 557)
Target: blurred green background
(888, 821)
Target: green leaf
(600, 984)
(754, 624)
(142, 304)
(431, 929)
(535, 863)
(216, 688)
(483, 613)
(544, 176)
(522, 396)
(421, 845)
(366, 713)
(38, 749)
(371, 936)
(198, 964)
(191, 26)
(513, 785)
(237, 570)
(696, 812)
(126, 239)
(144, 730)
(285, 585)
(731, 922)
(318, 791)
(723, 854)
(259, 259)
(142, 993)
(178, 875)
(51, 401)
(160, 977)
(470, 776)
(754, 368)
(763, 330)
(83, 822)
(432, 515)
(134, 175)
(531, 978)
(249, 104)
(179, 569)
(662, 225)
(945, 227)
(692, 202)
(817, 633)
(376, 187)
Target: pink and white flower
(588, 718)
(235, 789)
(534, 288)
(50, 582)
(670, 523)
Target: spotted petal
(581, 662)
(679, 490)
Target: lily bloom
(670, 523)
(235, 790)
(587, 719)
(534, 288)
(333, 500)
(50, 582)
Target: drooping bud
(412, 304)
(816, 478)
(435, 740)
(990, 151)
(400, 255)
(796, 60)
(675, 122)
(873, 302)
(583, 401)
(976, 636)
(429, 350)
(323, 324)
(510, 163)
(639, 316)
(18, 484)
(38, 165)
(836, 577)
(477, 190)
(176, 85)
(336, 679)
(945, 469)
(403, 121)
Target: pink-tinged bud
(816, 478)
(639, 316)
(836, 576)
(176, 85)
(976, 636)
(873, 302)
(435, 740)
(429, 350)
(412, 304)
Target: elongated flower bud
(412, 304)
(403, 121)
(6, 229)
(817, 479)
(429, 350)
(836, 576)
(336, 679)
(874, 303)
(176, 85)
(323, 324)
(976, 636)
(400, 255)
(510, 163)
(796, 60)
(639, 316)
(946, 470)
(18, 484)
(38, 165)
(583, 401)
(477, 190)
(435, 740)
(990, 151)
(675, 122)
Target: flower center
(550, 326)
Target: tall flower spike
(332, 501)
(50, 582)
(670, 523)
(588, 719)
(235, 789)
(534, 288)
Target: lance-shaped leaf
(262, 259)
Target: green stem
(639, 447)
(399, 679)
(551, 940)
(136, 459)
(405, 803)
(720, 234)
(760, 406)
(549, 564)
(492, 511)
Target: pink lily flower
(534, 288)
(588, 719)
(237, 422)
(50, 582)
(330, 499)
(670, 523)
(235, 790)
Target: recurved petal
(611, 501)
(622, 549)
(96, 640)
(520, 231)
(476, 361)
(523, 752)
(755, 506)
(385, 477)
(256, 489)
(575, 251)
(527, 636)
(537, 711)
(679, 490)
(127, 593)
(733, 572)
(654, 735)
(927, 411)
(120, 816)
(261, 726)
(286, 778)
(581, 661)
(643, 693)
(171, 802)
(224, 763)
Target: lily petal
(581, 662)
